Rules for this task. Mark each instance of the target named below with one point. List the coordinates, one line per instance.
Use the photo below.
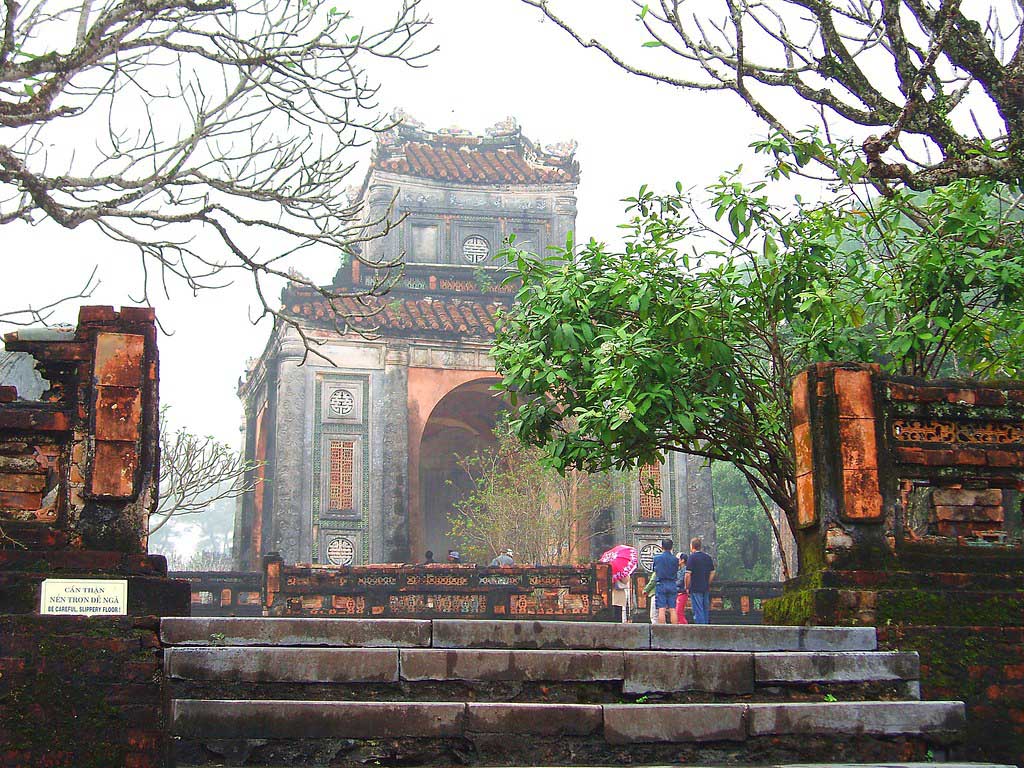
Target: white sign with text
(84, 597)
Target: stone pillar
(242, 556)
(394, 509)
(565, 218)
(290, 514)
(700, 504)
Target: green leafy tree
(688, 337)
(741, 529)
(518, 502)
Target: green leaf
(653, 44)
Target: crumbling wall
(78, 469)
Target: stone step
(638, 672)
(454, 633)
(891, 764)
(431, 733)
(619, 723)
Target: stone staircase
(329, 692)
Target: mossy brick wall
(983, 667)
(78, 692)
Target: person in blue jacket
(666, 568)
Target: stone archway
(448, 418)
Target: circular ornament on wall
(647, 554)
(341, 551)
(475, 249)
(341, 402)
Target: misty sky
(497, 59)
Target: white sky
(497, 58)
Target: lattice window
(650, 496)
(341, 474)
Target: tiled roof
(413, 315)
(471, 164)
(503, 156)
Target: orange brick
(902, 392)
(970, 456)
(966, 396)
(138, 314)
(113, 469)
(118, 413)
(1014, 671)
(799, 396)
(861, 497)
(20, 501)
(803, 448)
(96, 314)
(23, 483)
(119, 359)
(1005, 458)
(858, 444)
(854, 397)
(806, 512)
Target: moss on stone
(792, 609)
(921, 607)
(78, 717)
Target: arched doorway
(460, 424)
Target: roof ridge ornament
(507, 127)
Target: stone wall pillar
(291, 521)
(242, 556)
(700, 505)
(394, 508)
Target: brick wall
(78, 480)
(982, 666)
(80, 692)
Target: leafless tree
(514, 502)
(195, 472)
(900, 68)
(211, 135)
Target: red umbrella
(623, 560)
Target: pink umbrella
(623, 560)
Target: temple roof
(502, 156)
(401, 313)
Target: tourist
(620, 599)
(683, 598)
(700, 572)
(666, 567)
(453, 557)
(429, 558)
(649, 591)
(504, 560)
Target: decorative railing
(224, 593)
(462, 591)
(569, 593)
(732, 602)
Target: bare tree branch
(913, 68)
(41, 315)
(195, 473)
(212, 136)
